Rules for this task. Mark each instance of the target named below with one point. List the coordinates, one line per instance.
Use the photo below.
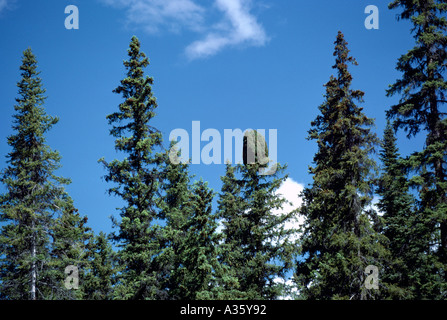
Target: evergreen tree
(34, 193)
(70, 235)
(231, 255)
(190, 248)
(339, 240)
(199, 247)
(423, 94)
(400, 221)
(100, 276)
(176, 212)
(255, 247)
(137, 181)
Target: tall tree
(255, 245)
(423, 89)
(34, 194)
(136, 178)
(400, 221)
(339, 241)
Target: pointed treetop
(342, 59)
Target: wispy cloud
(238, 27)
(3, 5)
(156, 15)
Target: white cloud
(290, 289)
(156, 15)
(290, 191)
(238, 27)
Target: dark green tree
(339, 240)
(70, 236)
(99, 278)
(176, 211)
(423, 95)
(256, 248)
(199, 249)
(34, 194)
(399, 221)
(136, 180)
(191, 243)
(231, 255)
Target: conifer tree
(175, 211)
(255, 247)
(423, 95)
(34, 194)
(137, 180)
(199, 247)
(339, 240)
(100, 277)
(231, 255)
(190, 249)
(70, 236)
(400, 222)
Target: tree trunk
(33, 268)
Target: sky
(229, 64)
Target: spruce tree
(190, 252)
(255, 247)
(176, 212)
(100, 276)
(231, 255)
(70, 236)
(136, 180)
(339, 240)
(399, 221)
(34, 194)
(423, 95)
(199, 248)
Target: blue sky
(226, 63)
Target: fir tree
(422, 88)
(339, 241)
(137, 180)
(34, 193)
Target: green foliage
(400, 222)
(423, 89)
(98, 282)
(136, 180)
(190, 251)
(168, 239)
(199, 247)
(69, 237)
(339, 240)
(35, 203)
(256, 250)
